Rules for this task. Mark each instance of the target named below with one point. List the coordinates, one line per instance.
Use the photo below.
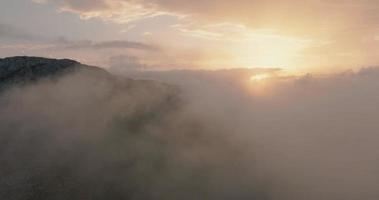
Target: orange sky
(299, 35)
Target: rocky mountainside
(22, 69)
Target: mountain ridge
(24, 69)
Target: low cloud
(215, 135)
(313, 136)
(124, 64)
(90, 136)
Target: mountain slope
(22, 69)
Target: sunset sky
(300, 35)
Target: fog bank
(315, 137)
(192, 135)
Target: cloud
(257, 13)
(115, 44)
(10, 32)
(313, 137)
(313, 17)
(350, 25)
(92, 52)
(13, 33)
(77, 5)
(89, 136)
(125, 64)
(223, 137)
(118, 11)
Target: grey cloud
(83, 136)
(86, 4)
(81, 5)
(115, 44)
(312, 137)
(124, 63)
(222, 137)
(10, 32)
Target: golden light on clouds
(308, 36)
(259, 77)
(260, 85)
(268, 50)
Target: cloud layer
(86, 136)
(314, 137)
(224, 137)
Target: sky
(295, 35)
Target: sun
(259, 77)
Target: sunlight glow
(269, 51)
(259, 77)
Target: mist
(310, 137)
(90, 136)
(191, 135)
